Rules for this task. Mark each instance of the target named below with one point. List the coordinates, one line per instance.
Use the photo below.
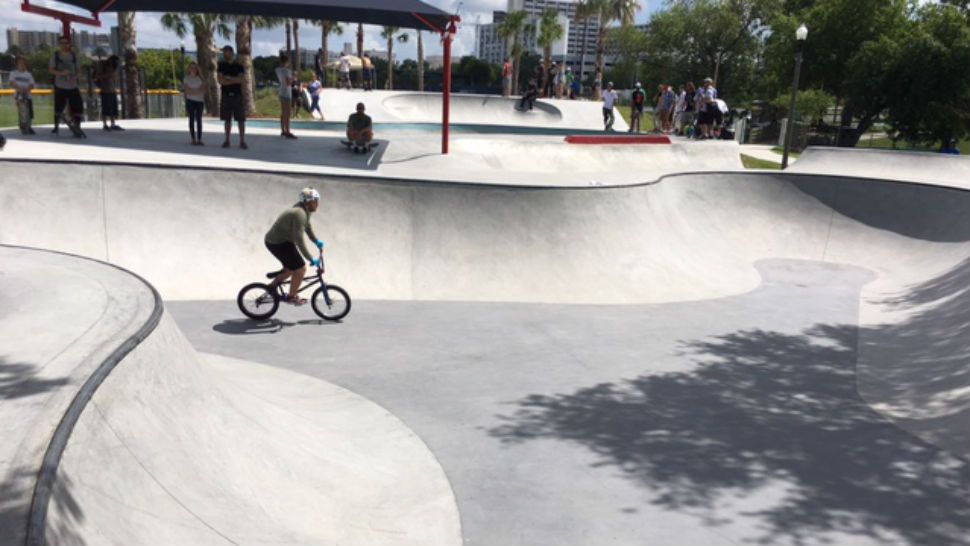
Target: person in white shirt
(284, 74)
(22, 82)
(609, 101)
(345, 71)
(194, 88)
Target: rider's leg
(296, 281)
(281, 278)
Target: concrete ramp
(922, 167)
(176, 448)
(415, 107)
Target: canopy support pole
(64, 17)
(449, 36)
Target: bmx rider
(285, 241)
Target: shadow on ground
(759, 408)
(18, 380)
(271, 326)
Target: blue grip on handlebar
(319, 244)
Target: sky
(268, 42)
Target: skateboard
(74, 127)
(23, 114)
(359, 149)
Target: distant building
(31, 41)
(579, 36)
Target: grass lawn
(755, 163)
(43, 113)
(646, 122)
(885, 143)
(781, 151)
(268, 105)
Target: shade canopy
(397, 13)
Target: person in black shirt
(232, 103)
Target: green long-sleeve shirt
(290, 227)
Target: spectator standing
(706, 105)
(64, 67)
(609, 101)
(658, 113)
(367, 65)
(320, 65)
(22, 82)
(638, 99)
(679, 108)
(107, 86)
(230, 75)
(689, 115)
(506, 78)
(669, 105)
(344, 68)
(194, 88)
(570, 80)
(316, 88)
(284, 75)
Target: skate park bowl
(703, 358)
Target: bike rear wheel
(258, 301)
(339, 303)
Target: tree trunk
(289, 41)
(546, 68)
(325, 47)
(360, 53)
(296, 46)
(244, 52)
(517, 65)
(134, 103)
(600, 64)
(390, 62)
(207, 68)
(420, 62)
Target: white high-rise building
(579, 36)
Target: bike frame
(309, 283)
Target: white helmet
(309, 194)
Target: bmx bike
(259, 301)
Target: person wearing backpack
(637, 101)
(64, 67)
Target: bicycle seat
(273, 274)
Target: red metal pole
(66, 23)
(446, 96)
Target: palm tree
(584, 13)
(360, 52)
(390, 34)
(420, 62)
(609, 11)
(512, 27)
(244, 52)
(134, 104)
(550, 31)
(205, 26)
(296, 45)
(326, 29)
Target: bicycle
(259, 301)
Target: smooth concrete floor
(728, 421)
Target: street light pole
(182, 57)
(800, 36)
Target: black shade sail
(398, 13)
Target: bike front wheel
(339, 304)
(258, 301)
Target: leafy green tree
(391, 34)
(512, 28)
(205, 26)
(810, 105)
(608, 12)
(550, 31)
(133, 96)
(326, 29)
(629, 46)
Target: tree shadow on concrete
(16, 492)
(18, 380)
(917, 370)
(762, 407)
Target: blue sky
(267, 42)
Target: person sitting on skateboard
(360, 129)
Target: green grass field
(43, 112)
(755, 163)
(646, 123)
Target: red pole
(446, 97)
(66, 23)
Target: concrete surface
(178, 449)
(62, 316)
(921, 167)
(519, 160)
(407, 106)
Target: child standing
(22, 81)
(194, 88)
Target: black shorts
(706, 117)
(287, 254)
(109, 105)
(232, 107)
(68, 98)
